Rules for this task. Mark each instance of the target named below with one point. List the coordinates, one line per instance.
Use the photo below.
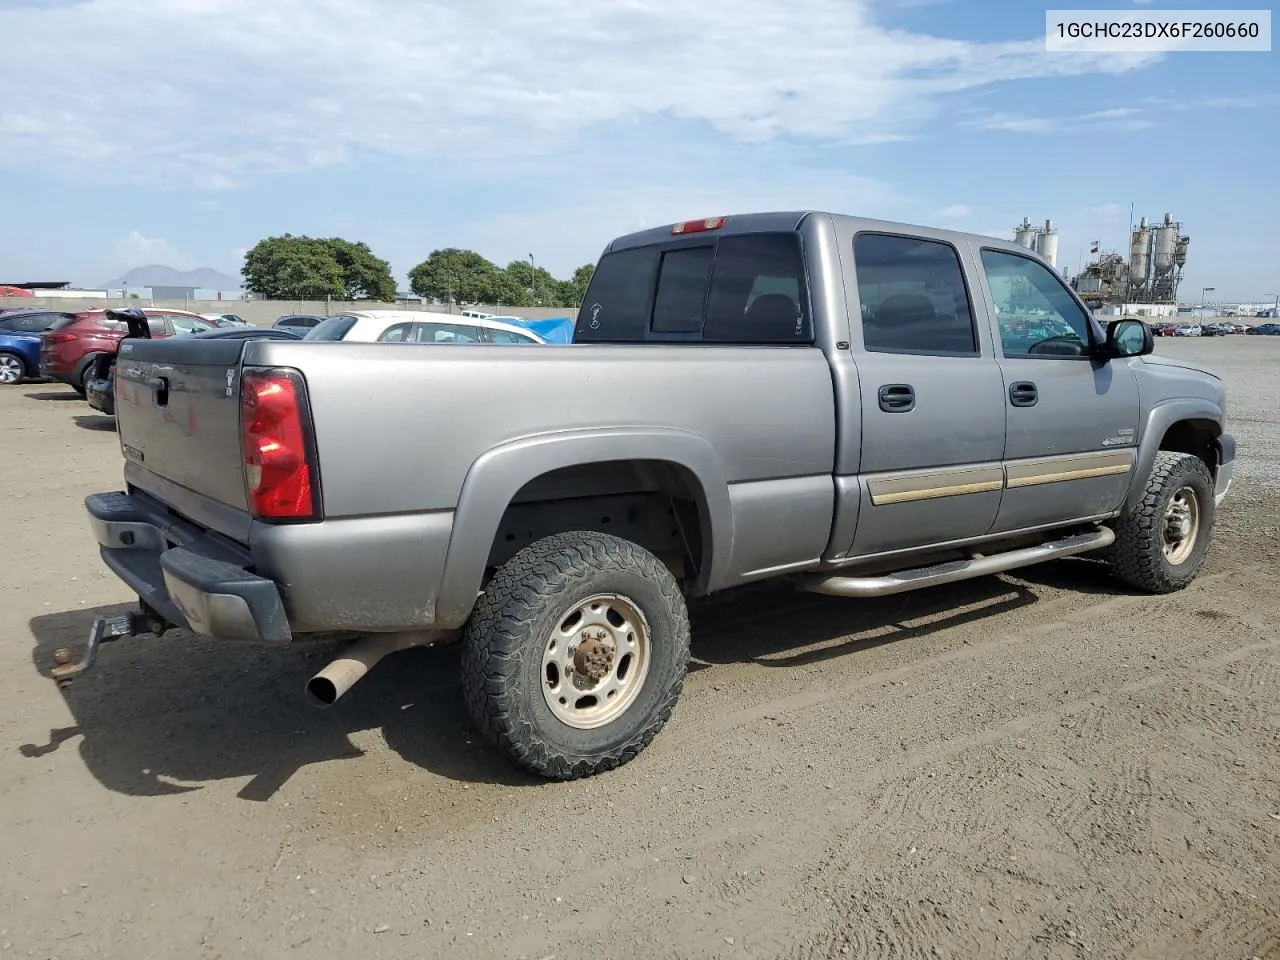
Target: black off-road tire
(502, 646)
(1137, 557)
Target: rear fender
(496, 477)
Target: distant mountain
(156, 275)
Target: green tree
(312, 268)
(574, 290)
(451, 275)
(540, 288)
(365, 276)
(507, 291)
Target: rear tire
(82, 380)
(13, 368)
(576, 654)
(1161, 543)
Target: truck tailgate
(178, 414)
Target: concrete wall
(266, 312)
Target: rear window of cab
(743, 288)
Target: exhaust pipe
(327, 686)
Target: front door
(932, 412)
(1072, 419)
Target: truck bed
(398, 426)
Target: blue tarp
(552, 329)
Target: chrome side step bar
(952, 570)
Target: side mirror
(1129, 338)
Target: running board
(949, 572)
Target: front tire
(1161, 543)
(576, 654)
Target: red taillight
(699, 226)
(279, 453)
(59, 337)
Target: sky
(182, 132)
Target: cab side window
(913, 295)
(1036, 316)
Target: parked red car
(69, 347)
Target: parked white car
(417, 326)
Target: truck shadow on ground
(67, 394)
(99, 423)
(166, 716)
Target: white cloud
(1141, 117)
(1116, 120)
(955, 210)
(235, 87)
(625, 209)
(135, 250)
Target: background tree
(451, 275)
(540, 288)
(311, 268)
(574, 290)
(365, 276)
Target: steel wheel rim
(595, 661)
(10, 369)
(1181, 526)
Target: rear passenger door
(932, 411)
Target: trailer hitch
(105, 629)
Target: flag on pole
(1093, 247)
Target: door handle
(897, 398)
(160, 387)
(1023, 394)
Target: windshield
(333, 328)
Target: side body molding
(498, 474)
(1158, 420)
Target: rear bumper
(100, 396)
(1226, 467)
(52, 371)
(190, 577)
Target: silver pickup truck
(859, 406)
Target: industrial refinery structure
(1146, 281)
(1043, 240)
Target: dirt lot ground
(1041, 765)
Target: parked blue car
(20, 342)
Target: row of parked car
(79, 349)
(1223, 329)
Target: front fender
(1160, 418)
(498, 474)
